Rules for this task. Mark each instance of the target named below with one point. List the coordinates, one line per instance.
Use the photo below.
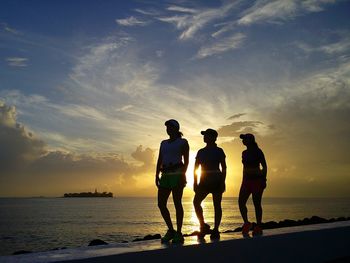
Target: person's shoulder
(183, 140)
(222, 151)
(260, 151)
(163, 142)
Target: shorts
(253, 186)
(172, 180)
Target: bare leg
(197, 200)
(163, 195)
(258, 208)
(217, 197)
(177, 198)
(242, 201)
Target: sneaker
(178, 238)
(257, 231)
(246, 227)
(168, 236)
(215, 234)
(204, 229)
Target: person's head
(210, 135)
(248, 139)
(173, 128)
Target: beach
(326, 242)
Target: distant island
(89, 194)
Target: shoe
(246, 227)
(178, 238)
(215, 234)
(168, 236)
(257, 231)
(204, 229)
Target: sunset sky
(86, 86)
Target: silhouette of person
(212, 180)
(254, 182)
(172, 163)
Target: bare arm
(264, 166)
(158, 167)
(186, 154)
(195, 178)
(223, 172)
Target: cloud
(145, 156)
(9, 29)
(221, 46)
(338, 47)
(17, 61)
(280, 10)
(191, 23)
(273, 11)
(26, 160)
(236, 128)
(131, 21)
(18, 145)
(182, 9)
(236, 116)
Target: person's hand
(157, 181)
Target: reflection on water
(46, 223)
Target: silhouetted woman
(172, 163)
(254, 182)
(212, 161)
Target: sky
(86, 86)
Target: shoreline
(270, 225)
(309, 243)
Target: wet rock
(148, 237)
(20, 252)
(97, 242)
(270, 225)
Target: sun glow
(189, 172)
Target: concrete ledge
(314, 243)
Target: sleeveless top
(171, 151)
(209, 158)
(251, 160)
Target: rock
(148, 237)
(97, 242)
(19, 252)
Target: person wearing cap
(211, 160)
(254, 182)
(172, 164)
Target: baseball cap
(247, 136)
(173, 123)
(210, 132)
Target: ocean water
(39, 224)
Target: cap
(210, 132)
(247, 136)
(173, 123)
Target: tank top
(171, 151)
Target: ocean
(40, 224)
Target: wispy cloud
(341, 46)
(221, 46)
(280, 10)
(182, 9)
(131, 21)
(273, 11)
(9, 29)
(17, 61)
(196, 20)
